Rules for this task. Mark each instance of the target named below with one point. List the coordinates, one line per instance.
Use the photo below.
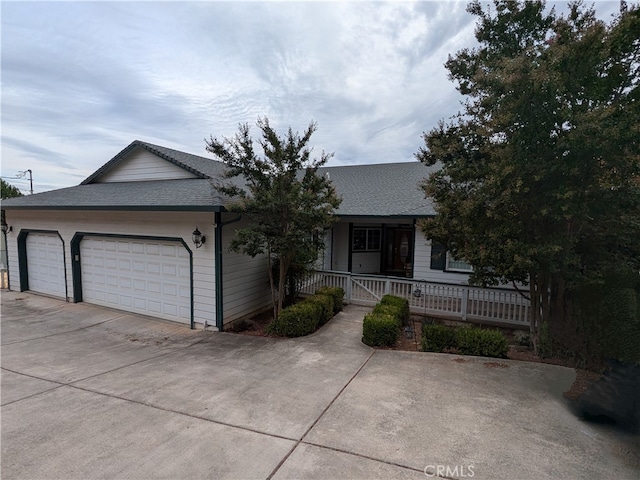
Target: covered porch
(371, 246)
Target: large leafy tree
(282, 194)
(8, 190)
(540, 171)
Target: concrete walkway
(89, 392)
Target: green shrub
(402, 304)
(380, 330)
(389, 310)
(327, 304)
(297, 320)
(437, 338)
(485, 343)
(338, 297)
(464, 340)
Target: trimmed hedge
(307, 316)
(338, 297)
(402, 306)
(380, 329)
(297, 320)
(485, 343)
(437, 338)
(327, 304)
(464, 340)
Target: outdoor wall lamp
(5, 228)
(198, 238)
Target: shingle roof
(380, 190)
(183, 194)
(386, 189)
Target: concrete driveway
(89, 392)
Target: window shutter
(438, 256)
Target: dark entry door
(399, 252)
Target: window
(457, 265)
(367, 239)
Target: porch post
(347, 284)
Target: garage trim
(22, 258)
(76, 270)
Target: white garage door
(140, 276)
(45, 264)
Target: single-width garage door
(45, 264)
(141, 276)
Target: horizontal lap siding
(142, 165)
(246, 280)
(157, 224)
(422, 264)
(340, 250)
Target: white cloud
(80, 80)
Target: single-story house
(124, 237)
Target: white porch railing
(458, 302)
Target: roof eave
(122, 208)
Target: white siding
(157, 224)
(422, 264)
(245, 283)
(340, 250)
(142, 165)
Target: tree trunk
(562, 324)
(534, 314)
(274, 302)
(285, 261)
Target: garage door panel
(154, 287)
(153, 268)
(45, 264)
(139, 285)
(150, 277)
(152, 249)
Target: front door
(399, 250)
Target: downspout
(5, 229)
(218, 223)
(350, 258)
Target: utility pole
(22, 174)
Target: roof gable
(141, 165)
(142, 161)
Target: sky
(82, 80)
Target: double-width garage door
(45, 264)
(141, 276)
